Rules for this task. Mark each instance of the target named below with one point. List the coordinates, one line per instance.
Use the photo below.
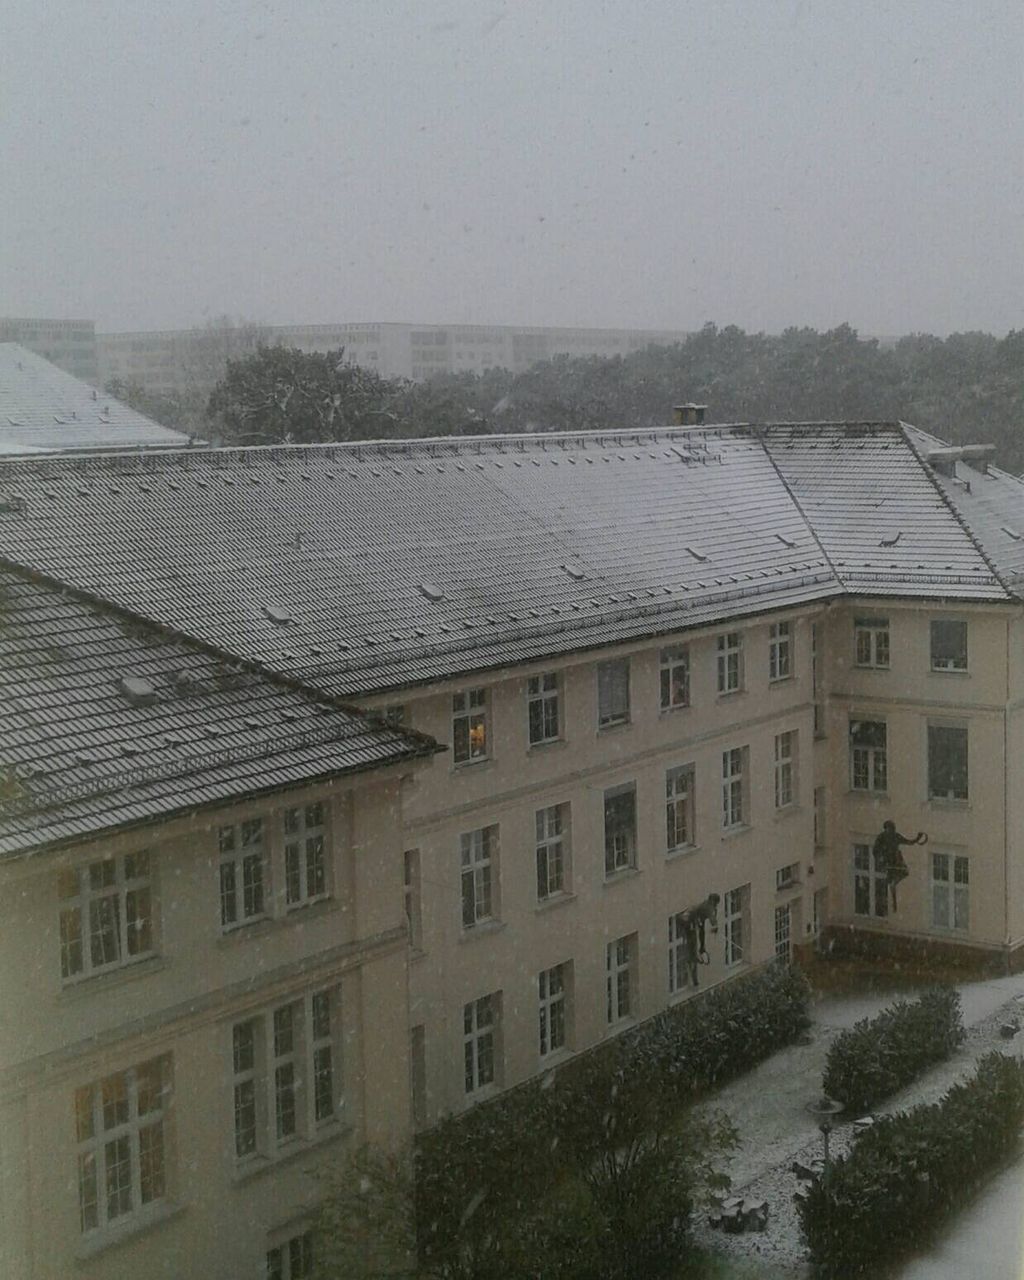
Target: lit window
(241, 873)
(870, 883)
(305, 870)
(950, 891)
(735, 925)
(948, 645)
(675, 677)
(551, 994)
(469, 725)
(730, 662)
(552, 844)
(871, 642)
(780, 651)
(785, 769)
(619, 829)
(947, 762)
(869, 769)
(620, 961)
(543, 709)
(734, 787)
(119, 1123)
(479, 856)
(479, 1031)
(106, 915)
(612, 693)
(292, 1260)
(679, 793)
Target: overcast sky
(654, 163)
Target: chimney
(944, 459)
(689, 415)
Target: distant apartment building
(182, 360)
(69, 344)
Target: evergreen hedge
(879, 1055)
(910, 1170)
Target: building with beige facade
(697, 665)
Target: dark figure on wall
(695, 921)
(888, 857)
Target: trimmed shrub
(910, 1170)
(879, 1055)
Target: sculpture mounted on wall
(888, 858)
(695, 921)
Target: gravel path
(768, 1108)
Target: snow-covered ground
(769, 1109)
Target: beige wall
(56, 1037)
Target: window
(675, 677)
(786, 877)
(870, 884)
(621, 977)
(784, 933)
(868, 760)
(780, 651)
(469, 725)
(734, 924)
(543, 709)
(612, 693)
(619, 829)
(286, 1074)
(479, 851)
(480, 1024)
(733, 787)
(413, 902)
(292, 1260)
(947, 762)
(242, 873)
(678, 953)
(730, 662)
(551, 994)
(820, 819)
(871, 642)
(950, 891)
(305, 872)
(785, 769)
(106, 915)
(817, 659)
(552, 837)
(948, 645)
(679, 793)
(119, 1126)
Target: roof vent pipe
(689, 415)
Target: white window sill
(867, 794)
(299, 912)
(791, 886)
(617, 877)
(485, 929)
(869, 666)
(679, 706)
(555, 1058)
(723, 694)
(256, 1165)
(777, 680)
(682, 852)
(740, 829)
(612, 725)
(948, 802)
(477, 762)
(150, 1216)
(555, 900)
(549, 744)
(89, 984)
(949, 671)
(617, 1027)
(784, 811)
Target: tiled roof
(42, 408)
(80, 753)
(321, 561)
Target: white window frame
(478, 858)
(788, 876)
(678, 954)
(959, 777)
(293, 1258)
(481, 1019)
(675, 677)
(734, 788)
(306, 859)
(785, 769)
(620, 964)
(780, 651)
(680, 791)
(552, 1009)
(869, 762)
(950, 898)
(945, 656)
(543, 708)
(470, 726)
(244, 894)
(106, 915)
(120, 1125)
(730, 662)
(871, 643)
(551, 830)
(784, 932)
(869, 879)
(620, 839)
(613, 702)
(735, 924)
